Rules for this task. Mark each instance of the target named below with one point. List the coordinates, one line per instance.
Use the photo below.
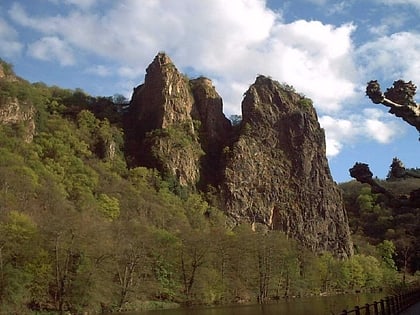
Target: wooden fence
(391, 305)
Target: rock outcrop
(277, 173)
(15, 112)
(215, 130)
(271, 169)
(161, 131)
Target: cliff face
(16, 112)
(161, 131)
(215, 130)
(167, 117)
(277, 173)
(164, 99)
(272, 169)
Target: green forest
(82, 232)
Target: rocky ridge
(270, 170)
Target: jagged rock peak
(269, 98)
(164, 98)
(162, 58)
(160, 129)
(277, 173)
(160, 62)
(189, 109)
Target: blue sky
(326, 49)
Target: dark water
(299, 306)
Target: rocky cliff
(15, 112)
(271, 169)
(161, 131)
(277, 173)
(177, 125)
(215, 130)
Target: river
(299, 306)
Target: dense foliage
(374, 218)
(80, 231)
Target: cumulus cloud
(338, 132)
(316, 59)
(100, 70)
(9, 44)
(380, 126)
(396, 56)
(370, 123)
(229, 41)
(52, 48)
(379, 130)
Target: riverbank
(317, 305)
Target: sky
(327, 50)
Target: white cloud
(389, 23)
(338, 131)
(380, 131)
(9, 45)
(379, 30)
(85, 4)
(380, 125)
(100, 70)
(130, 72)
(231, 41)
(370, 123)
(396, 56)
(318, 2)
(337, 8)
(415, 3)
(52, 48)
(317, 60)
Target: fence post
(391, 305)
(344, 312)
(367, 307)
(388, 307)
(375, 308)
(399, 303)
(383, 307)
(357, 310)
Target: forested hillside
(373, 218)
(80, 231)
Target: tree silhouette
(400, 99)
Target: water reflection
(299, 306)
